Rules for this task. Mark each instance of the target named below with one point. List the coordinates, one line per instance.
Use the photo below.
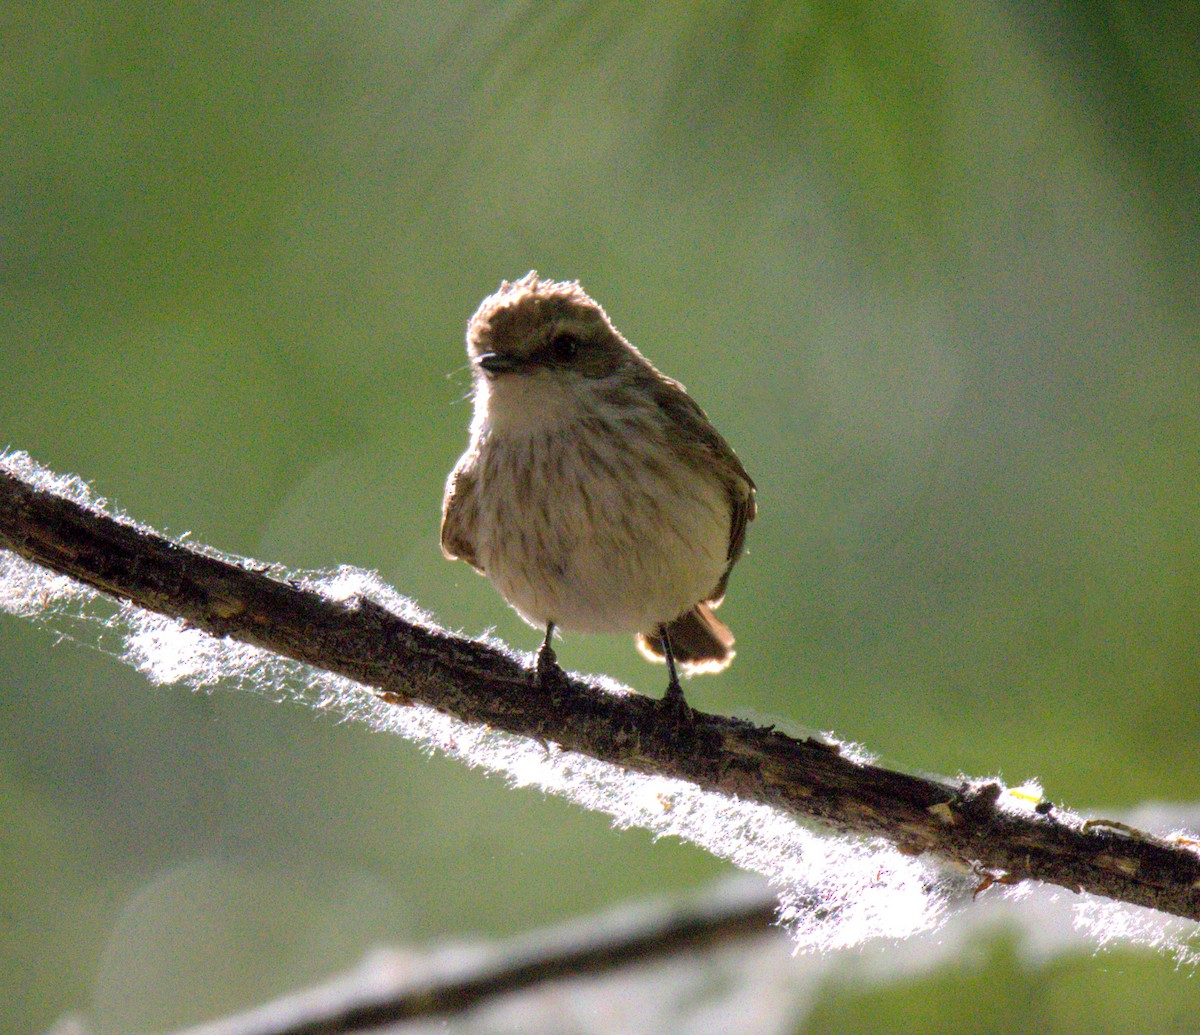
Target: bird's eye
(564, 346)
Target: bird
(595, 495)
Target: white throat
(525, 404)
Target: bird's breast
(599, 525)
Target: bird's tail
(700, 642)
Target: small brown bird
(595, 494)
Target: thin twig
(342, 1008)
(409, 662)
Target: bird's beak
(495, 363)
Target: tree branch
(351, 1005)
(409, 662)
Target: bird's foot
(548, 671)
(675, 706)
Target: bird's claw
(675, 705)
(548, 671)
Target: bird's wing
(698, 439)
(460, 511)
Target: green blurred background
(932, 269)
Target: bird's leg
(547, 661)
(673, 699)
